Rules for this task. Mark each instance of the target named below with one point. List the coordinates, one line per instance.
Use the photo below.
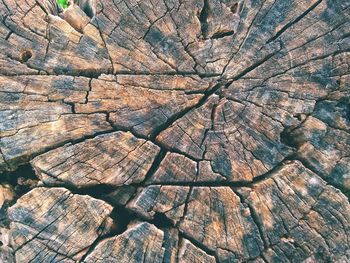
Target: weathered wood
(190, 253)
(54, 224)
(126, 160)
(167, 200)
(298, 213)
(175, 131)
(177, 168)
(142, 242)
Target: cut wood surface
(175, 131)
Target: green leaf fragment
(62, 3)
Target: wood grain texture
(175, 131)
(62, 226)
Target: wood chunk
(167, 200)
(7, 194)
(216, 218)
(283, 200)
(78, 53)
(176, 168)
(37, 114)
(147, 40)
(47, 88)
(319, 151)
(30, 101)
(115, 159)
(335, 112)
(55, 46)
(271, 27)
(171, 245)
(26, 142)
(6, 252)
(142, 242)
(190, 253)
(11, 67)
(137, 108)
(300, 216)
(76, 17)
(206, 173)
(239, 140)
(54, 224)
(188, 132)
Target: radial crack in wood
(175, 131)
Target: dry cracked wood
(175, 131)
(62, 227)
(126, 160)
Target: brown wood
(175, 131)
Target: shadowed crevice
(203, 17)
(88, 7)
(218, 35)
(23, 179)
(288, 138)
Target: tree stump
(175, 131)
